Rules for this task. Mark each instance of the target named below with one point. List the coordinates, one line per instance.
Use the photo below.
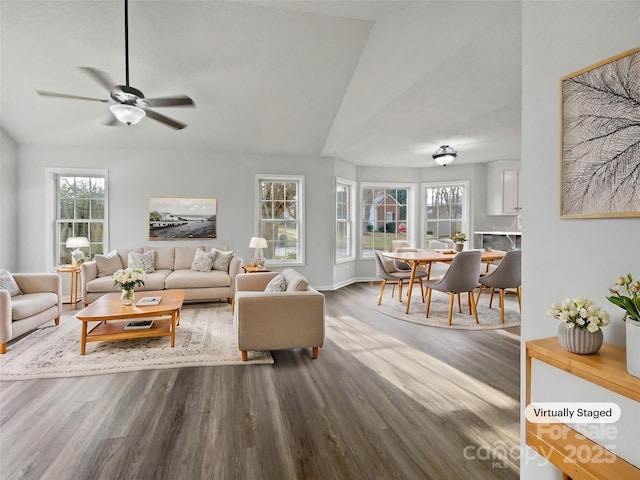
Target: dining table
(428, 257)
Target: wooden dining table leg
(414, 267)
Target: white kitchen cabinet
(503, 188)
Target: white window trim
(411, 192)
(300, 261)
(352, 219)
(466, 214)
(51, 206)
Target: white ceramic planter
(579, 340)
(633, 347)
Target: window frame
(466, 214)
(350, 221)
(52, 235)
(410, 187)
(300, 208)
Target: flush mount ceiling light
(445, 155)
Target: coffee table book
(144, 301)
(141, 325)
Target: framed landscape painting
(182, 218)
(601, 139)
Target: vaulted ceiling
(371, 82)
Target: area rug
(205, 337)
(489, 318)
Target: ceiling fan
(128, 104)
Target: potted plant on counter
(626, 295)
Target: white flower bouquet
(129, 278)
(580, 313)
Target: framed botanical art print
(601, 139)
(182, 218)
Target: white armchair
(40, 302)
(279, 320)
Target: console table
(607, 369)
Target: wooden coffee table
(113, 317)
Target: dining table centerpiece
(580, 328)
(127, 279)
(626, 295)
(458, 239)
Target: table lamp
(77, 242)
(258, 243)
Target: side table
(254, 269)
(74, 272)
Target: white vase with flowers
(580, 331)
(626, 295)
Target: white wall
(8, 205)
(570, 257)
(135, 175)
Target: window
(345, 209)
(385, 216)
(280, 209)
(81, 211)
(445, 210)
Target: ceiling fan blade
(99, 76)
(65, 95)
(177, 101)
(166, 120)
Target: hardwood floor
(386, 399)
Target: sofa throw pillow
(108, 264)
(277, 284)
(8, 283)
(222, 259)
(144, 261)
(203, 261)
(295, 280)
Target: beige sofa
(40, 302)
(293, 318)
(172, 270)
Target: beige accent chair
(40, 302)
(263, 320)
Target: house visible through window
(80, 212)
(445, 210)
(280, 216)
(385, 216)
(345, 190)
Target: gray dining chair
(386, 271)
(506, 275)
(462, 276)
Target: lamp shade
(129, 114)
(77, 242)
(257, 242)
(445, 155)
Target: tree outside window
(445, 210)
(80, 213)
(280, 222)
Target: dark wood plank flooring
(386, 399)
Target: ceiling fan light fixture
(445, 155)
(128, 114)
